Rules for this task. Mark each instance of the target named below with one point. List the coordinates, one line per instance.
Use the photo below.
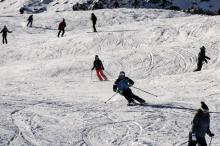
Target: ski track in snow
(50, 97)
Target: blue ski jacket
(122, 84)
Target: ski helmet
(122, 73)
(202, 48)
(204, 107)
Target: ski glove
(193, 137)
(211, 134)
(119, 91)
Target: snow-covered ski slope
(48, 96)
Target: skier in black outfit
(122, 85)
(201, 58)
(30, 20)
(200, 127)
(21, 10)
(116, 4)
(94, 19)
(135, 4)
(97, 64)
(4, 32)
(61, 28)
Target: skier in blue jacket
(122, 85)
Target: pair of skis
(135, 88)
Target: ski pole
(110, 97)
(145, 91)
(210, 142)
(107, 73)
(184, 143)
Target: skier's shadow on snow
(171, 106)
(118, 30)
(45, 28)
(7, 16)
(168, 106)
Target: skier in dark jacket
(200, 127)
(61, 28)
(94, 19)
(116, 4)
(4, 32)
(201, 58)
(122, 85)
(99, 69)
(21, 10)
(30, 21)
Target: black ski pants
(30, 23)
(199, 66)
(199, 140)
(61, 30)
(4, 39)
(131, 97)
(93, 25)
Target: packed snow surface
(50, 97)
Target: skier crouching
(122, 85)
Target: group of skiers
(121, 85)
(201, 121)
(61, 27)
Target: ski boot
(132, 103)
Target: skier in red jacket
(61, 28)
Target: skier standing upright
(97, 64)
(4, 32)
(201, 58)
(200, 127)
(94, 20)
(135, 4)
(61, 28)
(30, 21)
(122, 85)
(116, 4)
